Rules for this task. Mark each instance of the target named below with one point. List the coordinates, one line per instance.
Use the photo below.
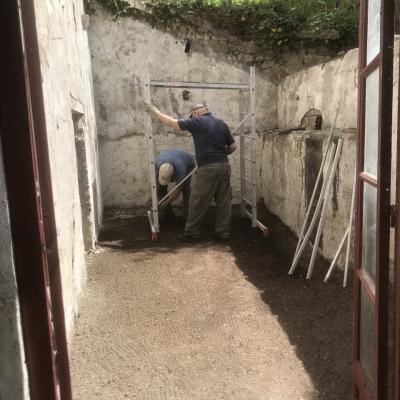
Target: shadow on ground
(316, 317)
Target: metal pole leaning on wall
(314, 219)
(351, 219)
(322, 218)
(347, 235)
(303, 228)
(241, 144)
(153, 215)
(335, 258)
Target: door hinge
(393, 215)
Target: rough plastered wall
(290, 162)
(122, 50)
(72, 138)
(13, 375)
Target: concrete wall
(322, 87)
(72, 138)
(290, 162)
(290, 167)
(13, 375)
(122, 49)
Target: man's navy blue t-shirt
(210, 135)
(182, 162)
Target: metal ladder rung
(247, 159)
(247, 201)
(248, 180)
(247, 137)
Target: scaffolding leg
(242, 149)
(253, 145)
(150, 153)
(154, 232)
(248, 201)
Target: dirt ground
(194, 321)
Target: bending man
(173, 165)
(212, 142)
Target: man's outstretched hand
(149, 108)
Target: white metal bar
(253, 144)
(322, 218)
(241, 123)
(150, 150)
(258, 223)
(317, 181)
(178, 185)
(242, 149)
(247, 159)
(152, 227)
(199, 85)
(248, 180)
(351, 218)
(246, 200)
(315, 216)
(328, 274)
(245, 136)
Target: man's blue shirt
(182, 162)
(211, 137)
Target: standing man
(173, 165)
(213, 142)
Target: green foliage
(273, 25)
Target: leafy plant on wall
(273, 25)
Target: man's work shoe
(188, 238)
(222, 237)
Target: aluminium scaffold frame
(248, 194)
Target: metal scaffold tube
(249, 200)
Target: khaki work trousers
(210, 182)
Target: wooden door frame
(396, 221)
(383, 61)
(27, 168)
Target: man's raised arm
(163, 118)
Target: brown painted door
(396, 221)
(373, 200)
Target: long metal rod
(178, 185)
(315, 216)
(242, 149)
(264, 229)
(317, 181)
(322, 218)
(199, 85)
(150, 150)
(247, 180)
(253, 144)
(328, 274)
(351, 219)
(241, 123)
(154, 231)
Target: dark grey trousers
(211, 181)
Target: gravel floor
(169, 320)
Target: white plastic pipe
(303, 228)
(315, 216)
(328, 274)
(321, 221)
(351, 218)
